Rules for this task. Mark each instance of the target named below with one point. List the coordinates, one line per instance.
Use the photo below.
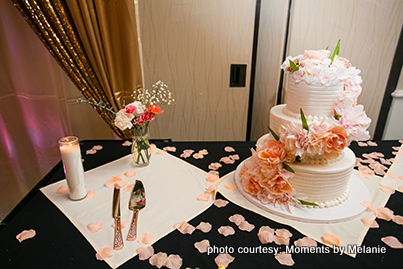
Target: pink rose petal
(130, 173)
(227, 160)
(224, 259)
(146, 238)
(26, 234)
(212, 176)
(386, 162)
(184, 227)
(205, 227)
(230, 186)
(284, 259)
(203, 197)
(392, 175)
(198, 156)
(226, 230)
(211, 189)
(62, 189)
(234, 157)
(161, 152)
(362, 144)
(392, 242)
(237, 219)
(145, 252)
(202, 246)
(91, 151)
(387, 189)
(368, 205)
(153, 146)
(398, 153)
(171, 149)
(281, 240)
(174, 261)
(187, 153)
(95, 226)
(372, 144)
(127, 144)
(220, 203)
(110, 182)
(398, 219)
(203, 152)
(384, 213)
(400, 188)
(97, 147)
(284, 233)
(128, 187)
(246, 226)
(305, 242)
(90, 194)
(370, 223)
(266, 234)
(158, 259)
(214, 166)
(104, 253)
(331, 239)
(229, 149)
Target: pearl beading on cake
(323, 160)
(332, 203)
(311, 118)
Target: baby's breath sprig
(157, 96)
(96, 105)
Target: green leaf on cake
(273, 134)
(293, 66)
(327, 48)
(337, 117)
(303, 119)
(307, 203)
(335, 51)
(288, 168)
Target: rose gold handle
(118, 240)
(132, 235)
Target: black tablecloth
(58, 244)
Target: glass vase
(141, 150)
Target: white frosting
(314, 99)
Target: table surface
(58, 244)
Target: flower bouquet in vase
(137, 116)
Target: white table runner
(172, 186)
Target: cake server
(118, 239)
(137, 201)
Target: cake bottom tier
(326, 184)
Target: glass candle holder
(73, 167)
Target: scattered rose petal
(226, 230)
(203, 197)
(365, 175)
(130, 173)
(331, 239)
(104, 253)
(229, 149)
(90, 194)
(387, 189)
(400, 188)
(171, 149)
(266, 234)
(198, 156)
(97, 147)
(202, 245)
(203, 152)
(95, 226)
(187, 153)
(385, 162)
(378, 168)
(123, 224)
(128, 187)
(91, 151)
(220, 203)
(161, 152)
(26, 234)
(362, 144)
(246, 226)
(305, 242)
(62, 189)
(373, 155)
(284, 259)
(153, 146)
(284, 233)
(384, 213)
(227, 160)
(205, 227)
(184, 227)
(174, 261)
(392, 242)
(224, 259)
(158, 259)
(397, 148)
(211, 189)
(230, 186)
(398, 219)
(237, 219)
(214, 166)
(372, 144)
(110, 182)
(281, 240)
(146, 238)
(127, 144)
(370, 223)
(234, 157)
(145, 252)
(368, 205)
(391, 175)
(212, 176)
(398, 153)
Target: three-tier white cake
(305, 158)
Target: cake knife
(118, 239)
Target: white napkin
(172, 186)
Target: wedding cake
(304, 159)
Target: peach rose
(251, 186)
(279, 186)
(273, 153)
(335, 140)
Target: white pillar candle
(73, 167)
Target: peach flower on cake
(335, 141)
(273, 153)
(317, 54)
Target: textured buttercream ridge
(309, 118)
(333, 202)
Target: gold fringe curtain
(53, 23)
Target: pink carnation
(144, 118)
(130, 109)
